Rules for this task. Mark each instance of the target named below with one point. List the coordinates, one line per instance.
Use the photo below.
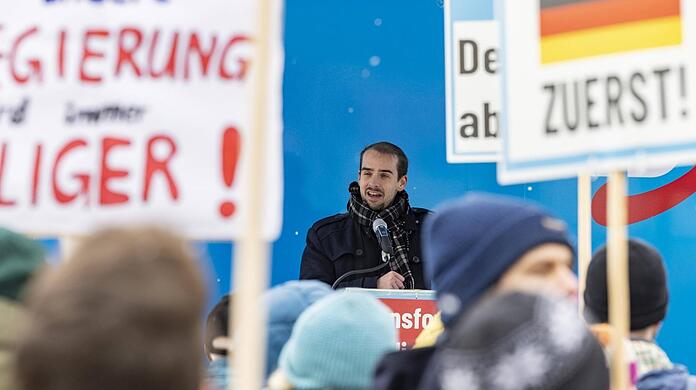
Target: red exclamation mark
(231, 146)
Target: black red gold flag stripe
(574, 29)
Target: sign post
(584, 234)
(617, 278)
(252, 259)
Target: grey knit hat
(519, 342)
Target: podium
(412, 310)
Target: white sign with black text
(596, 94)
(472, 88)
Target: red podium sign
(412, 311)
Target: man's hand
(391, 281)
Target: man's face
(378, 179)
(546, 269)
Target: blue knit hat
(470, 242)
(285, 303)
(337, 342)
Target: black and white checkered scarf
(394, 216)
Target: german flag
(574, 29)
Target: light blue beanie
(337, 342)
(285, 303)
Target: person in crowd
(284, 304)
(480, 245)
(217, 342)
(20, 259)
(336, 344)
(519, 341)
(347, 242)
(123, 312)
(649, 298)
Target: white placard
(472, 88)
(568, 106)
(128, 111)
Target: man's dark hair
(391, 149)
(123, 313)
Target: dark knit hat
(647, 283)
(519, 342)
(20, 257)
(470, 242)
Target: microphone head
(378, 224)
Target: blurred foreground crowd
(125, 311)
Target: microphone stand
(385, 260)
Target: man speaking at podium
(376, 244)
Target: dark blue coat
(402, 370)
(338, 244)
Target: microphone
(382, 233)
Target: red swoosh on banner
(648, 204)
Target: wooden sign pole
(67, 245)
(584, 234)
(251, 258)
(617, 278)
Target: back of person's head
(122, 313)
(20, 259)
(336, 344)
(519, 342)
(470, 242)
(285, 303)
(649, 296)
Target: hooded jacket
(677, 378)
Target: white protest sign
(472, 83)
(129, 111)
(599, 85)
